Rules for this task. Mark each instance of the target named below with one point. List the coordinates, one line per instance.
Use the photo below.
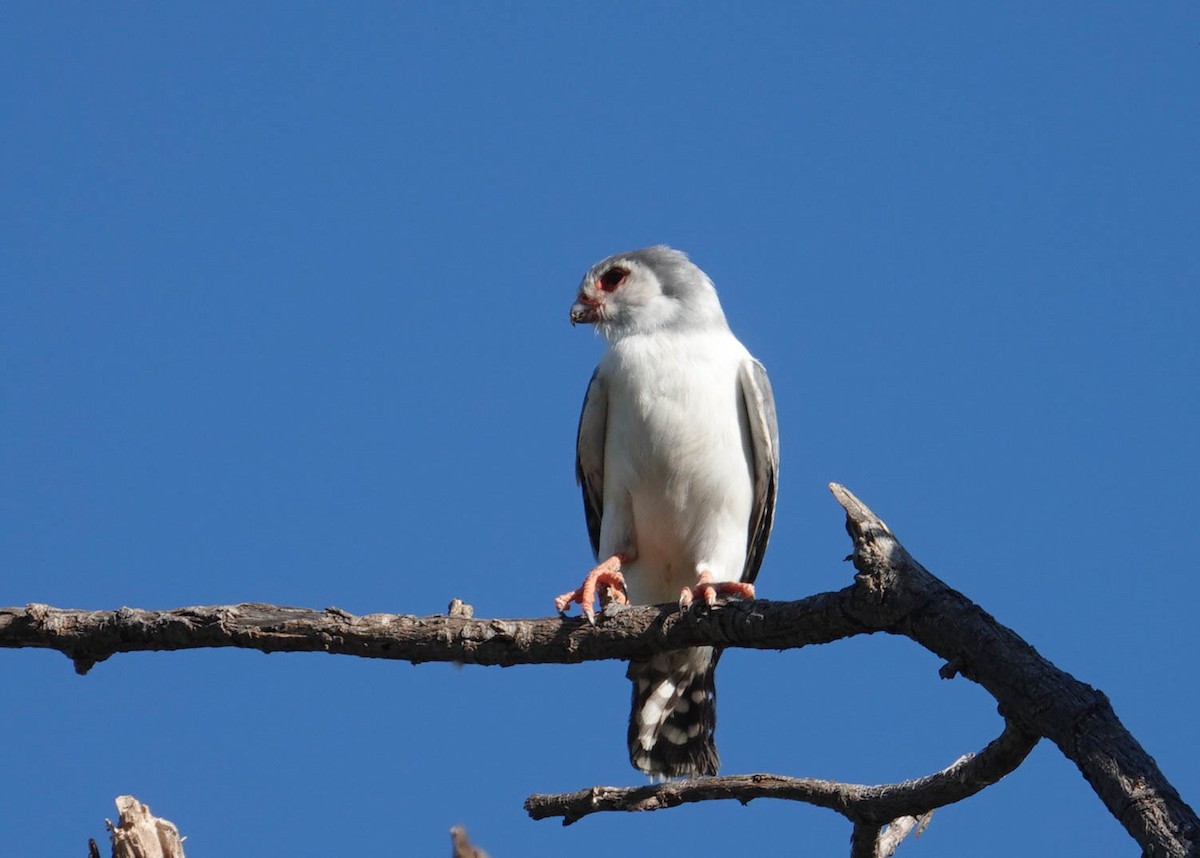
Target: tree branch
(870, 840)
(461, 845)
(140, 834)
(864, 840)
(1031, 691)
(892, 593)
(866, 805)
(89, 637)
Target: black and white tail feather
(674, 714)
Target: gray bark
(892, 593)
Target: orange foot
(707, 590)
(608, 575)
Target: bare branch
(1031, 691)
(461, 845)
(89, 637)
(864, 840)
(892, 593)
(891, 837)
(140, 834)
(868, 805)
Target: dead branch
(1031, 692)
(89, 637)
(865, 805)
(140, 834)
(892, 593)
(461, 845)
(870, 840)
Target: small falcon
(678, 458)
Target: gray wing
(759, 404)
(589, 455)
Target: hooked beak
(585, 310)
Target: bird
(677, 456)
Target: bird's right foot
(707, 590)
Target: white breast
(678, 469)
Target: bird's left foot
(605, 580)
(707, 590)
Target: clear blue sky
(284, 318)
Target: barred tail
(674, 714)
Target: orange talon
(607, 575)
(708, 590)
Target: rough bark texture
(89, 637)
(892, 593)
(140, 834)
(1032, 692)
(873, 841)
(869, 805)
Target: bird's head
(645, 290)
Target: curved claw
(707, 591)
(608, 576)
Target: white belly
(677, 473)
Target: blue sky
(283, 317)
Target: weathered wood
(1031, 691)
(461, 845)
(89, 637)
(892, 593)
(140, 834)
(869, 840)
(867, 805)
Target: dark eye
(612, 278)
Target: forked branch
(892, 593)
